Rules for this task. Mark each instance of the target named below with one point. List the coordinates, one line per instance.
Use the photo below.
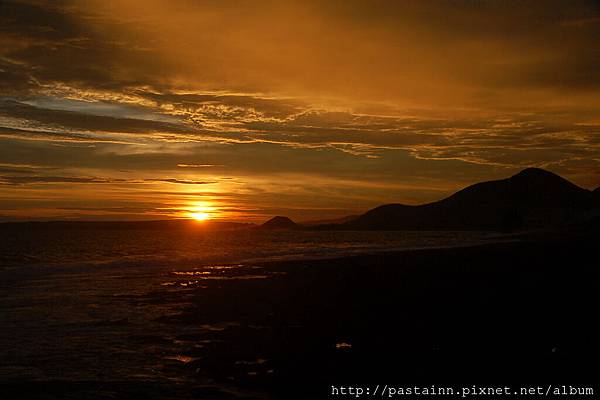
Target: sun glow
(200, 216)
(201, 211)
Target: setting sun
(201, 211)
(200, 216)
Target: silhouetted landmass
(279, 222)
(533, 198)
(331, 221)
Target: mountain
(332, 221)
(533, 198)
(279, 222)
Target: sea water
(89, 305)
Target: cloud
(52, 119)
(426, 53)
(273, 100)
(469, 138)
(11, 168)
(181, 181)
(197, 165)
(26, 180)
(37, 179)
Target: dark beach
(509, 313)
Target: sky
(241, 110)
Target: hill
(279, 222)
(533, 198)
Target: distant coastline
(532, 199)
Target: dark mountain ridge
(533, 198)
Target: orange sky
(311, 109)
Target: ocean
(49, 247)
(97, 305)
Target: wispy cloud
(25, 180)
(198, 165)
(181, 181)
